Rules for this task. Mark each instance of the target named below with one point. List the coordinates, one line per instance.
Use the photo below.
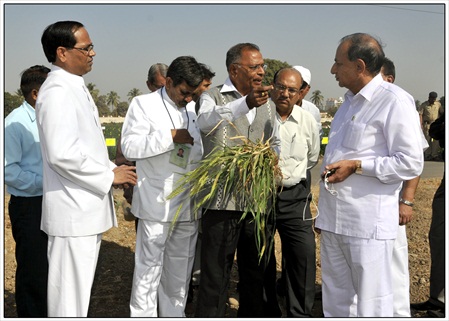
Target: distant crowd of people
(60, 179)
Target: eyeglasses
(329, 186)
(254, 67)
(87, 49)
(291, 91)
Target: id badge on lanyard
(179, 156)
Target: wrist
(406, 202)
(358, 167)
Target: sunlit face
(248, 72)
(181, 94)
(205, 85)
(159, 81)
(345, 71)
(76, 60)
(286, 91)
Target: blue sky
(129, 38)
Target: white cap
(305, 74)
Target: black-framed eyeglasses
(291, 91)
(253, 67)
(87, 49)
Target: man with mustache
(241, 100)
(77, 173)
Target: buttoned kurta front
(378, 126)
(78, 174)
(147, 139)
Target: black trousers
(437, 244)
(31, 256)
(222, 234)
(298, 251)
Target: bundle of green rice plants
(248, 171)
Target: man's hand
(342, 169)
(124, 175)
(405, 214)
(181, 136)
(258, 96)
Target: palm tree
(317, 98)
(133, 93)
(113, 99)
(93, 91)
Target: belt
(25, 197)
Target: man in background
(305, 104)
(435, 304)
(156, 76)
(400, 271)
(23, 179)
(300, 149)
(208, 74)
(429, 111)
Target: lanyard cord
(187, 114)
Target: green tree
(102, 105)
(273, 65)
(113, 100)
(121, 109)
(93, 91)
(11, 102)
(317, 98)
(133, 93)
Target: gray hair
(157, 68)
(367, 48)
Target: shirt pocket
(298, 149)
(353, 136)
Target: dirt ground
(112, 286)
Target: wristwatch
(358, 169)
(408, 203)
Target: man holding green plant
(239, 107)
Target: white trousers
(71, 269)
(163, 267)
(356, 276)
(400, 274)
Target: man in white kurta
(77, 173)
(161, 135)
(374, 145)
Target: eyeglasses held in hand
(329, 187)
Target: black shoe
(423, 306)
(435, 314)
